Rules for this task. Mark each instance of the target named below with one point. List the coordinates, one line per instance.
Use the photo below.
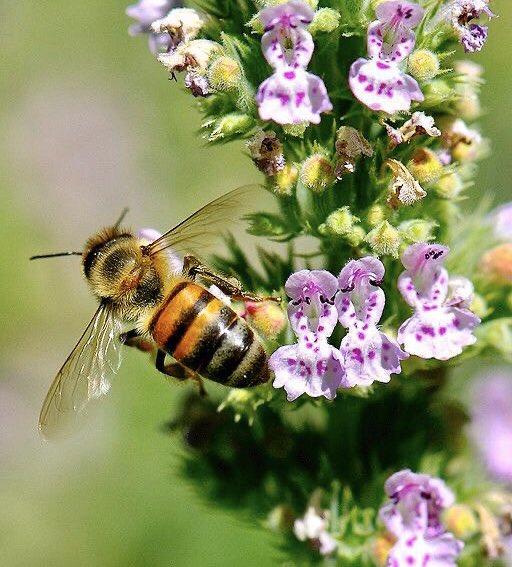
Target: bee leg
(192, 267)
(178, 371)
(133, 339)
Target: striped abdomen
(207, 336)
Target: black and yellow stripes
(207, 336)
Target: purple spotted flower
(286, 42)
(311, 366)
(441, 324)
(491, 422)
(462, 13)
(291, 95)
(369, 354)
(390, 37)
(378, 82)
(413, 516)
(145, 12)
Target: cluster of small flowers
(439, 328)
(313, 527)
(413, 517)
(292, 95)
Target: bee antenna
(121, 217)
(55, 255)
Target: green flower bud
(437, 92)
(339, 222)
(256, 25)
(229, 125)
(479, 306)
(356, 236)
(317, 173)
(326, 20)
(448, 186)
(266, 224)
(285, 180)
(423, 65)
(295, 130)
(417, 230)
(425, 166)
(384, 239)
(376, 214)
(224, 74)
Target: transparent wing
(204, 229)
(85, 373)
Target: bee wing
(204, 229)
(84, 375)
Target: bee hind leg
(178, 372)
(192, 267)
(133, 339)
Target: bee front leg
(192, 267)
(178, 371)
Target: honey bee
(173, 312)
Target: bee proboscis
(135, 284)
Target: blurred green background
(91, 124)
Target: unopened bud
(317, 173)
(448, 186)
(356, 236)
(425, 165)
(266, 152)
(281, 518)
(267, 317)
(496, 264)
(417, 230)
(384, 239)
(339, 222)
(326, 20)
(461, 521)
(381, 548)
(423, 65)
(437, 92)
(285, 180)
(376, 214)
(295, 130)
(479, 306)
(224, 74)
(463, 152)
(231, 124)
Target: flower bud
(285, 180)
(381, 547)
(425, 165)
(496, 264)
(376, 214)
(326, 20)
(224, 74)
(448, 186)
(229, 125)
(461, 521)
(267, 317)
(295, 130)
(423, 65)
(317, 173)
(464, 152)
(479, 306)
(339, 222)
(266, 152)
(384, 239)
(243, 402)
(417, 230)
(437, 92)
(280, 518)
(355, 236)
